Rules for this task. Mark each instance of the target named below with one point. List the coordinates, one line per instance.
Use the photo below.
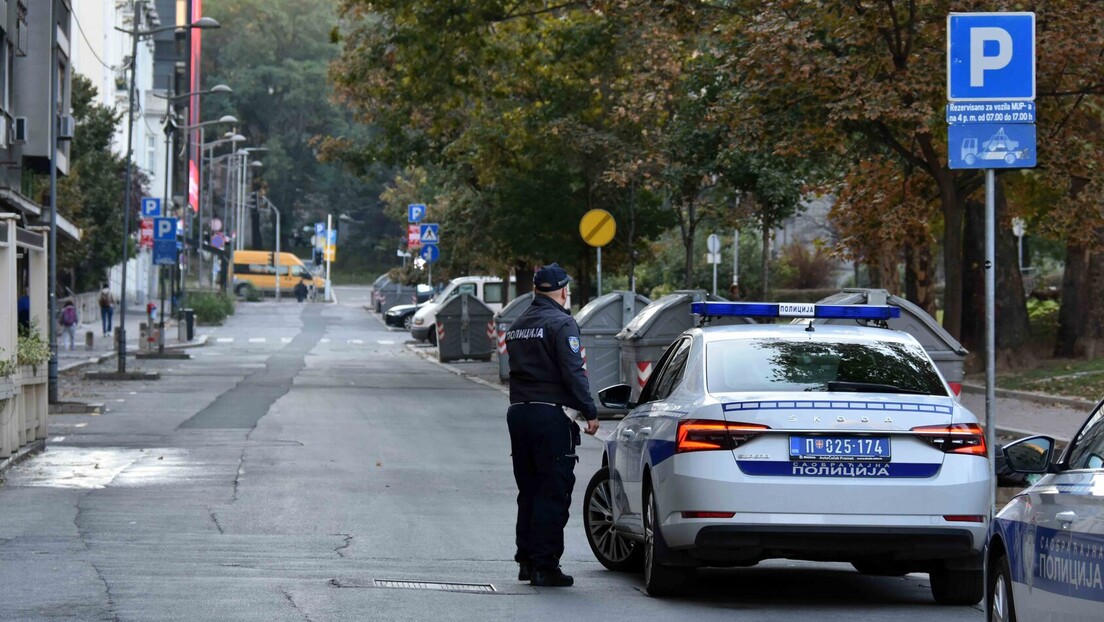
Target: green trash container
(644, 340)
(599, 322)
(465, 329)
(503, 320)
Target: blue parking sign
(415, 212)
(991, 56)
(151, 207)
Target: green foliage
(8, 366)
(91, 194)
(252, 294)
(276, 54)
(211, 307)
(800, 268)
(33, 349)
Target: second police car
(1046, 549)
(815, 442)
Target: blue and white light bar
(794, 309)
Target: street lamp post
(135, 35)
(207, 198)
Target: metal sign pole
(990, 330)
(715, 275)
(736, 258)
(599, 270)
(329, 227)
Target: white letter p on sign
(979, 62)
(165, 228)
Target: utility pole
(51, 255)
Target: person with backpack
(107, 308)
(68, 321)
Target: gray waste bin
(395, 294)
(381, 283)
(503, 320)
(944, 349)
(647, 336)
(465, 329)
(599, 323)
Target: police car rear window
(781, 365)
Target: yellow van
(258, 269)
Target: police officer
(546, 374)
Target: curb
(1039, 398)
(199, 341)
(22, 454)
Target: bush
(252, 294)
(33, 348)
(800, 268)
(211, 307)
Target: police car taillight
(705, 435)
(795, 310)
(956, 438)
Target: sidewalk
(104, 346)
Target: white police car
(828, 443)
(1046, 548)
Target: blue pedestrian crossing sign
(430, 252)
(151, 207)
(429, 233)
(415, 212)
(991, 56)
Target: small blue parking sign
(991, 56)
(164, 241)
(415, 212)
(151, 207)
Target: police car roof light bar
(794, 310)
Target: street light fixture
(202, 23)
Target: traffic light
(252, 201)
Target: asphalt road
(301, 461)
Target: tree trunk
(953, 259)
(1012, 326)
(888, 277)
(688, 232)
(523, 274)
(764, 267)
(1075, 298)
(919, 288)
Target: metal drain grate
(479, 588)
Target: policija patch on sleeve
(573, 343)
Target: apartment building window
(151, 153)
(21, 30)
(7, 51)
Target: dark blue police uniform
(546, 374)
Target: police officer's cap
(551, 278)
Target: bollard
(89, 340)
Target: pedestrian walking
(68, 319)
(546, 374)
(301, 289)
(107, 308)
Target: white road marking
(225, 340)
(120, 400)
(256, 340)
(57, 439)
(386, 342)
(325, 341)
(285, 339)
(356, 341)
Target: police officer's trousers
(542, 443)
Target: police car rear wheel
(611, 549)
(1001, 608)
(659, 580)
(957, 587)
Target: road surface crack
(345, 545)
(291, 601)
(238, 474)
(214, 519)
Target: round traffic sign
(597, 227)
(713, 243)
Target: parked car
(817, 442)
(402, 316)
(1046, 546)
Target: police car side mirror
(1030, 455)
(617, 397)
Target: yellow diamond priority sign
(597, 227)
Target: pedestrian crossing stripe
(324, 341)
(356, 341)
(225, 340)
(256, 340)
(285, 339)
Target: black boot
(525, 571)
(551, 578)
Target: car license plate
(842, 448)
